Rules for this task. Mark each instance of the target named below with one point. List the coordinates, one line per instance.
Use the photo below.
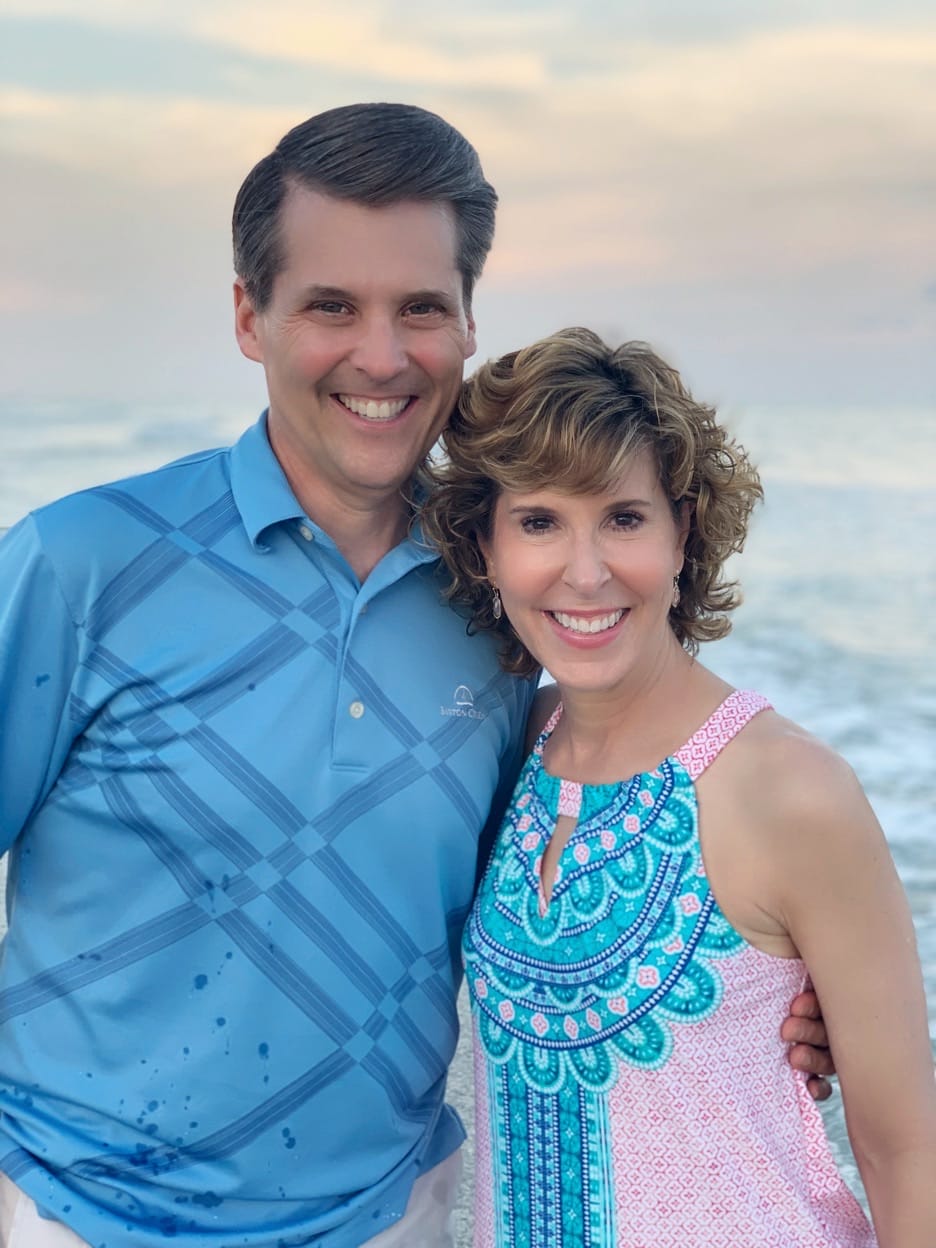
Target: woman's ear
(683, 525)
(484, 545)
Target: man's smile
(374, 409)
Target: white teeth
(371, 409)
(596, 624)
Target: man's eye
(332, 307)
(422, 309)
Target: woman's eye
(536, 524)
(626, 519)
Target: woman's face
(586, 580)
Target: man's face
(363, 342)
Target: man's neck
(364, 529)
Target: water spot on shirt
(41, 680)
(221, 1021)
(152, 1105)
(263, 1049)
(151, 1128)
(210, 1200)
(229, 954)
(200, 981)
(193, 1125)
(186, 1050)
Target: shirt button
(356, 710)
(306, 532)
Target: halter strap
(702, 748)
(725, 722)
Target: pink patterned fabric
(632, 1086)
(704, 746)
(570, 798)
(484, 1218)
(727, 1094)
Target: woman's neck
(608, 735)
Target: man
(247, 753)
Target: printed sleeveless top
(632, 1088)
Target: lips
(374, 409)
(587, 625)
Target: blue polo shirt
(243, 794)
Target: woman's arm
(838, 896)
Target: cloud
(742, 183)
(367, 40)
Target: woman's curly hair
(569, 413)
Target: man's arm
(38, 653)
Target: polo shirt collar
(264, 498)
(258, 483)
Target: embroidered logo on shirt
(464, 705)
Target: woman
(677, 859)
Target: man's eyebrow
(316, 291)
(325, 292)
(430, 296)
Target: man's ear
(471, 343)
(246, 323)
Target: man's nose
(586, 570)
(379, 351)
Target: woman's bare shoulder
(793, 774)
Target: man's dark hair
(374, 154)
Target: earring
(676, 593)
(497, 609)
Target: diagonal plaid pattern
(244, 808)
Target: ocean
(838, 627)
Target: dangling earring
(676, 593)
(497, 609)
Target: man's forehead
(305, 206)
(336, 244)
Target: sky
(751, 187)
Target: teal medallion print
(626, 947)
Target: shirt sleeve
(38, 655)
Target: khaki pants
(427, 1222)
(22, 1227)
